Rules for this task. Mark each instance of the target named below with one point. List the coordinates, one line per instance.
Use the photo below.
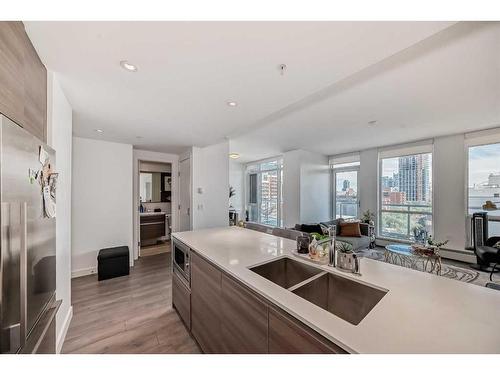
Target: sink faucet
(347, 262)
(332, 253)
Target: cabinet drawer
(181, 299)
(244, 319)
(152, 219)
(206, 305)
(289, 336)
(151, 230)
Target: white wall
(210, 173)
(143, 155)
(306, 188)
(315, 197)
(449, 164)
(368, 181)
(102, 201)
(146, 166)
(291, 188)
(59, 137)
(237, 181)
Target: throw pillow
(497, 245)
(350, 229)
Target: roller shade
(415, 148)
(352, 157)
(482, 137)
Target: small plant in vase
(435, 245)
(368, 217)
(432, 247)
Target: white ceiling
(418, 79)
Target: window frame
(259, 171)
(380, 205)
(349, 168)
(472, 142)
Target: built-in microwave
(181, 261)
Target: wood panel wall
(23, 80)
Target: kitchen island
(230, 308)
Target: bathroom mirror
(155, 187)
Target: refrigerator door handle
(23, 261)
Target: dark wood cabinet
(181, 299)
(228, 317)
(244, 319)
(206, 305)
(289, 336)
(23, 80)
(152, 226)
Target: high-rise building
(414, 177)
(346, 184)
(387, 182)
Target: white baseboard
(62, 335)
(83, 272)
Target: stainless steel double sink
(341, 296)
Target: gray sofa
(291, 234)
(358, 243)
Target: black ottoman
(112, 262)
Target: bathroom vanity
(154, 226)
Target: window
(265, 200)
(484, 181)
(345, 183)
(406, 197)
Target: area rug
(449, 271)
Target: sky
(483, 160)
(390, 166)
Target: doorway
(155, 208)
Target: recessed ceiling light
(99, 130)
(234, 155)
(128, 66)
(372, 122)
(231, 103)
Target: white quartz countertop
(421, 312)
(154, 213)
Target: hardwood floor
(130, 314)
(160, 248)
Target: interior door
(346, 196)
(185, 195)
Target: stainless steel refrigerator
(28, 245)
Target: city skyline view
(406, 197)
(411, 174)
(483, 161)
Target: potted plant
(368, 217)
(435, 245)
